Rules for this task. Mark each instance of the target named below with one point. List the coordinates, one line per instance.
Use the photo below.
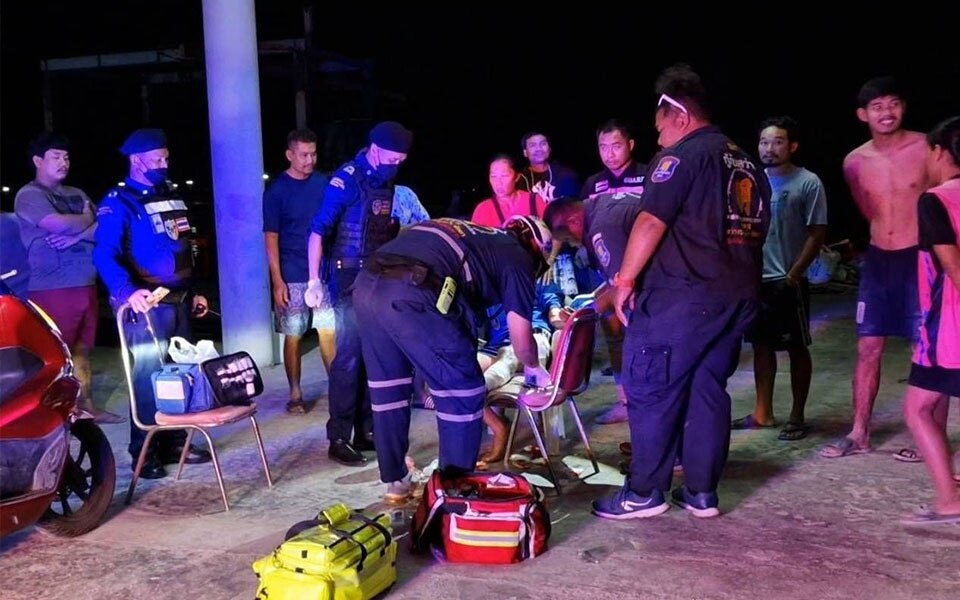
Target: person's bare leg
(866, 384)
(291, 364)
(327, 340)
(920, 408)
(940, 415)
(764, 375)
(498, 444)
(81, 370)
(801, 372)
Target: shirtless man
(886, 176)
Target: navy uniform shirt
(341, 192)
(142, 241)
(607, 222)
(715, 201)
(490, 266)
(606, 183)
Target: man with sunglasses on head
(690, 276)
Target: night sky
(471, 82)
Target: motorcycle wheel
(88, 483)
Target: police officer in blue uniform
(143, 242)
(621, 174)
(354, 221)
(697, 244)
(418, 302)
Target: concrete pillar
(236, 152)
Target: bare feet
(494, 453)
(498, 445)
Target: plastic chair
(191, 422)
(569, 375)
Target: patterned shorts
(296, 318)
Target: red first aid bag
(489, 518)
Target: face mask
(388, 172)
(156, 176)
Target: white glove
(315, 293)
(536, 376)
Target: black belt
(349, 262)
(392, 266)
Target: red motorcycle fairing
(47, 394)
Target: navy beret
(143, 140)
(392, 136)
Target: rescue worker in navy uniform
(417, 303)
(143, 242)
(601, 226)
(698, 245)
(353, 222)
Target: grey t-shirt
(798, 201)
(52, 269)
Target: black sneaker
(627, 504)
(342, 452)
(702, 504)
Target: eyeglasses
(669, 100)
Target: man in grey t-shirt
(798, 226)
(57, 223)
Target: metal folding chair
(192, 422)
(570, 376)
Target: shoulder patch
(104, 210)
(665, 169)
(338, 183)
(349, 169)
(600, 248)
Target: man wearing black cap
(353, 222)
(142, 243)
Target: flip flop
(748, 422)
(843, 447)
(908, 455)
(928, 516)
(792, 432)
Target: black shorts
(935, 379)
(888, 303)
(784, 318)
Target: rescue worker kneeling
(417, 302)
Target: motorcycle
(57, 469)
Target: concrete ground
(794, 525)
